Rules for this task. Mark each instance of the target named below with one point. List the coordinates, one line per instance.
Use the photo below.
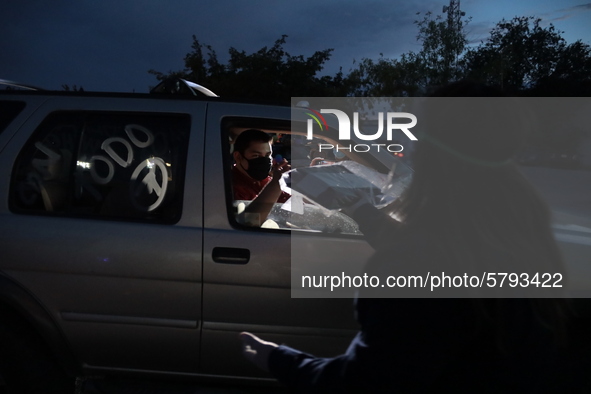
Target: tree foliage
(269, 73)
(521, 54)
(381, 78)
(443, 42)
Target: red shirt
(246, 188)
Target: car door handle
(231, 255)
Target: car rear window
(8, 111)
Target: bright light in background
(83, 164)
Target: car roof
(185, 90)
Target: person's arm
(366, 364)
(308, 374)
(304, 372)
(405, 345)
(257, 211)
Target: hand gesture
(256, 350)
(280, 167)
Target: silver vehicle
(120, 252)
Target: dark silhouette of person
(468, 208)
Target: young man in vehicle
(251, 179)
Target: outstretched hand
(256, 350)
(279, 168)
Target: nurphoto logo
(345, 130)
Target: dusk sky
(109, 45)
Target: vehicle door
(247, 270)
(103, 226)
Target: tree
(386, 77)
(520, 54)
(269, 73)
(440, 61)
(443, 45)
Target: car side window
(292, 211)
(110, 165)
